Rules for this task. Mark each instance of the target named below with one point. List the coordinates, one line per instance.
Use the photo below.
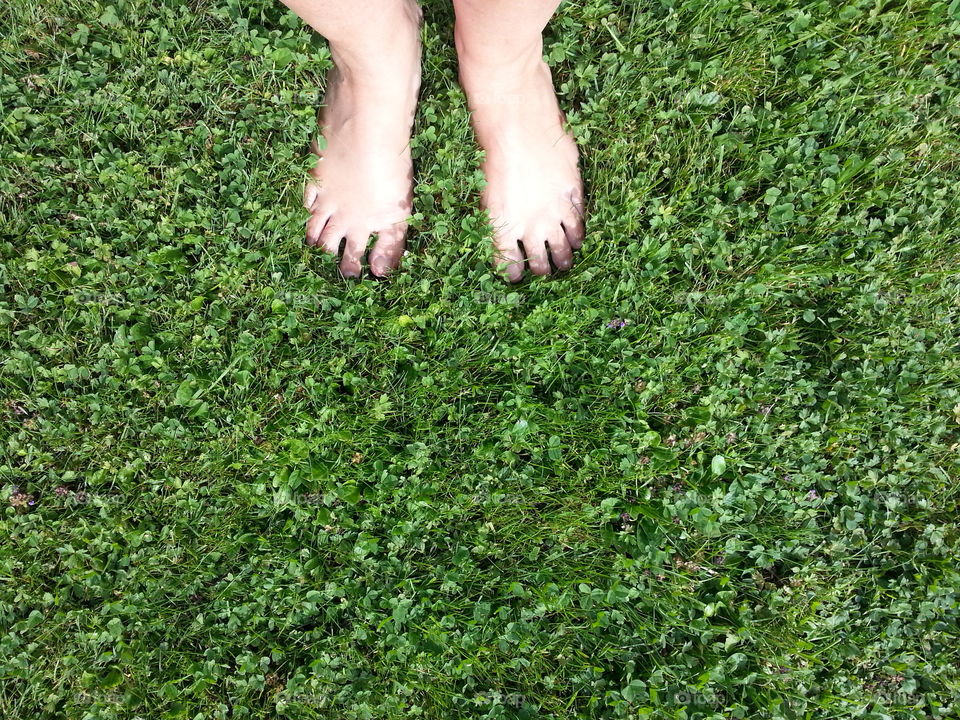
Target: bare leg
(363, 180)
(534, 193)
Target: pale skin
(362, 185)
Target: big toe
(508, 258)
(388, 249)
(573, 223)
(311, 192)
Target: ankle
(381, 57)
(521, 86)
(384, 79)
(498, 61)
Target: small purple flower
(20, 499)
(617, 323)
(813, 495)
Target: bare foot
(534, 193)
(363, 181)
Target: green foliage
(237, 486)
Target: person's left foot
(534, 194)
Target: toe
(560, 252)
(535, 248)
(386, 253)
(330, 238)
(315, 227)
(353, 253)
(573, 224)
(310, 194)
(508, 259)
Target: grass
(710, 473)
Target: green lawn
(710, 473)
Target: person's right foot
(363, 180)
